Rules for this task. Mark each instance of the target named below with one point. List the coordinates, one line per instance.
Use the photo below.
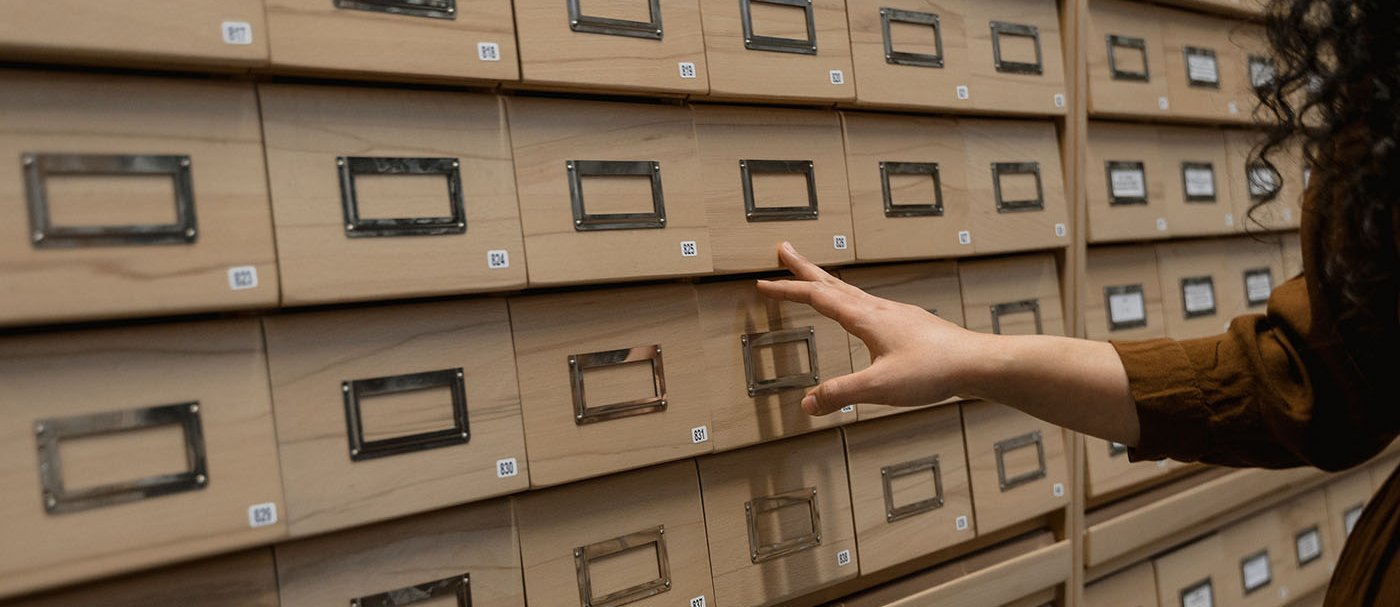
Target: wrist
(985, 360)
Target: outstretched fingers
(833, 394)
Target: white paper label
(1200, 182)
(506, 468)
(1309, 545)
(700, 434)
(838, 77)
(1061, 230)
(1117, 446)
(1349, 519)
(1058, 490)
(689, 248)
(1261, 181)
(237, 32)
(1256, 572)
(1128, 183)
(1161, 224)
(1261, 73)
(687, 71)
(497, 259)
(1199, 296)
(1258, 286)
(1229, 220)
(964, 237)
(839, 242)
(848, 409)
(1126, 308)
(262, 515)
(488, 51)
(963, 93)
(698, 601)
(242, 277)
(1059, 100)
(843, 558)
(1163, 103)
(1233, 107)
(1202, 68)
(960, 523)
(1199, 596)
(1288, 214)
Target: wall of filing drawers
(374, 302)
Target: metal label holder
(1137, 166)
(894, 57)
(1198, 166)
(1112, 291)
(1249, 297)
(585, 555)
(1000, 169)
(649, 30)
(1262, 554)
(457, 585)
(355, 391)
(1115, 43)
(357, 227)
(889, 473)
(51, 432)
(1298, 538)
(1017, 307)
(1194, 588)
(1116, 449)
(44, 234)
(1192, 51)
(752, 341)
(1002, 28)
(759, 552)
(1191, 281)
(579, 363)
(585, 221)
(749, 168)
(1019, 442)
(933, 209)
(755, 42)
(432, 9)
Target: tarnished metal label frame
(1116, 42)
(1002, 28)
(1110, 292)
(1126, 165)
(1244, 584)
(457, 585)
(351, 167)
(749, 168)
(758, 552)
(1251, 273)
(1191, 589)
(889, 473)
(751, 341)
(433, 9)
(777, 44)
(1017, 307)
(585, 555)
(585, 221)
(1298, 537)
(1000, 169)
(580, 363)
(1198, 280)
(933, 209)
(356, 390)
(45, 235)
(894, 57)
(1029, 439)
(49, 434)
(1198, 166)
(1192, 51)
(649, 30)
(1116, 449)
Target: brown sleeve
(1266, 393)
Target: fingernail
(787, 246)
(809, 404)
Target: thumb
(837, 392)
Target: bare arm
(918, 358)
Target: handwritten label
(1128, 183)
(1126, 308)
(1200, 182)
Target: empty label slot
(913, 189)
(406, 413)
(626, 10)
(1018, 49)
(611, 194)
(786, 523)
(122, 456)
(1125, 59)
(110, 200)
(914, 38)
(778, 21)
(623, 570)
(619, 383)
(1017, 323)
(1021, 461)
(913, 488)
(780, 360)
(1018, 186)
(402, 196)
(780, 190)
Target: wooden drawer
(614, 45)
(1381, 471)
(383, 412)
(778, 517)
(380, 193)
(1124, 298)
(243, 579)
(148, 32)
(1249, 182)
(1133, 587)
(608, 191)
(1126, 183)
(1310, 550)
(932, 286)
(1110, 471)
(774, 175)
(151, 197)
(1292, 255)
(1016, 189)
(1023, 572)
(1203, 67)
(761, 357)
(1199, 194)
(1197, 287)
(614, 380)
(1017, 464)
(1012, 295)
(467, 551)
(1256, 65)
(776, 49)
(1191, 576)
(910, 53)
(636, 538)
(1255, 572)
(1127, 60)
(150, 444)
(909, 486)
(1346, 499)
(1255, 268)
(432, 39)
(1015, 58)
(909, 195)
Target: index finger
(824, 298)
(800, 266)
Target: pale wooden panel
(1245, 255)
(1346, 499)
(1109, 469)
(737, 72)
(996, 91)
(1296, 519)
(1109, 96)
(1198, 146)
(1185, 568)
(984, 425)
(994, 141)
(1126, 143)
(987, 283)
(1183, 29)
(909, 86)
(142, 31)
(1285, 211)
(1125, 266)
(1134, 587)
(1292, 255)
(1177, 261)
(1244, 540)
(1008, 574)
(243, 579)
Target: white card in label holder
(1126, 308)
(1198, 296)
(1200, 182)
(1128, 183)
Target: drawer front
(232, 32)
(778, 511)
(466, 553)
(1250, 181)
(150, 444)
(1200, 190)
(1017, 464)
(1202, 67)
(1310, 550)
(150, 199)
(910, 53)
(1192, 576)
(1134, 587)
(772, 176)
(1197, 287)
(1015, 56)
(1346, 500)
(388, 411)
(618, 44)
(909, 189)
(243, 579)
(608, 191)
(761, 357)
(1127, 60)
(413, 38)
(1126, 183)
(616, 380)
(778, 49)
(931, 286)
(382, 193)
(1012, 295)
(1124, 295)
(1292, 255)
(1256, 557)
(636, 538)
(1110, 471)
(909, 486)
(1016, 188)
(1254, 270)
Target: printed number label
(687, 71)
(1161, 224)
(848, 409)
(1349, 519)
(1229, 220)
(964, 237)
(498, 259)
(839, 241)
(838, 77)
(1059, 100)
(1058, 490)
(689, 248)
(700, 434)
(1061, 230)
(698, 601)
(488, 51)
(962, 92)
(242, 277)
(960, 523)
(237, 32)
(262, 515)
(1234, 107)
(843, 558)
(506, 468)
(1163, 104)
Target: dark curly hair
(1336, 95)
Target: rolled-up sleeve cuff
(1171, 408)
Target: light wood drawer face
(1126, 184)
(230, 32)
(636, 538)
(1110, 471)
(243, 579)
(778, 517)
(612, 380)
(1124, 296)
(909, 190)
(149, 445)
(762, 356)
(1197, 291)
(1016, 190)
(426, 39)
(1134, 587)
(1015, 60)
(608, 191)
(1012, 295)
(1293, 260)
(1255, 571)
(772, 176)
(467, 555)
(1309, 550)
(1346, 500)
(1127, 60)
(1203, 67)
(1191, 576)
(909, 53)
(778, 49)
(613, 44)
(1251, 181)
(388, 411)
(909, 486)
(1254, 270)
(1017, 465)
(130, 196)
(1199, 190)
(379, 193)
